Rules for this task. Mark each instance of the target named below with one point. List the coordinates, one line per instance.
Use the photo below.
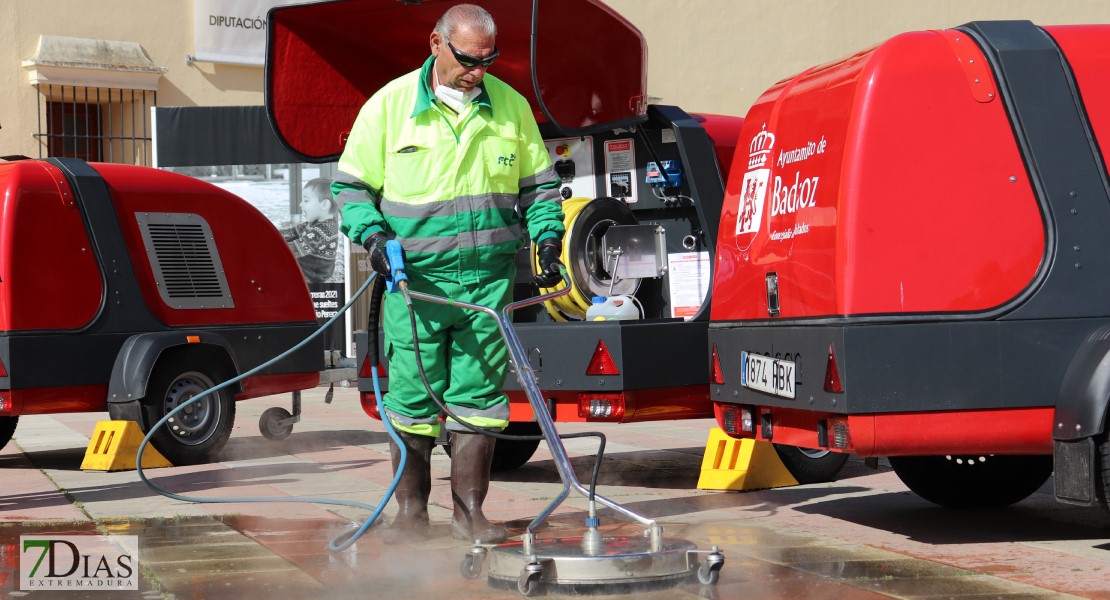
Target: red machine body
(113, 275)
(911, 258)
(306, 50)
(853, 188)
(263, 277)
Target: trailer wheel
(7, 430)
(1102, 469)
(979, 481)
(194, 435)
(811, 466)
(272, 423)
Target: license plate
(765, 374)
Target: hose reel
(589, 263)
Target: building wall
(705, 55)
(164, 28)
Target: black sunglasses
(470, 61)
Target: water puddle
(241, 557)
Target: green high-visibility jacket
(452, 188)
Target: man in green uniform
(447, 159)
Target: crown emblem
(760, 148)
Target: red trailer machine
(133, 289)
(589, 99)
(913, 263)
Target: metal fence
(96, 124)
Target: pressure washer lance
(592, 539)
(533, 562)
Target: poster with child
(313, 236)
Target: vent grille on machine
(186, 264)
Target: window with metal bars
(95, 124)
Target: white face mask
(456, 99)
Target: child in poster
(315, 240)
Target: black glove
(550, 274)
(375, 246)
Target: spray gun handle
(396, 257)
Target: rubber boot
(413, 489)
(471, 457)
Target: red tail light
(602, 363)
(601, 407)
(3, 371)
(832, 375)
(715, 375)
(369, 405)
(737, 420)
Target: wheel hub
(194, 423)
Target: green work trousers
(463, 353)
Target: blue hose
(343, 541)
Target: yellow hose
(572, 306)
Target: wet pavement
(862, 536)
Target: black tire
(708, 575)
(196, 434)
(509, 455)
(1102, 469)
(811, 466)
(470, 567)
(980, 481)
(269, 424)
(7, 429)
(528, 587)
